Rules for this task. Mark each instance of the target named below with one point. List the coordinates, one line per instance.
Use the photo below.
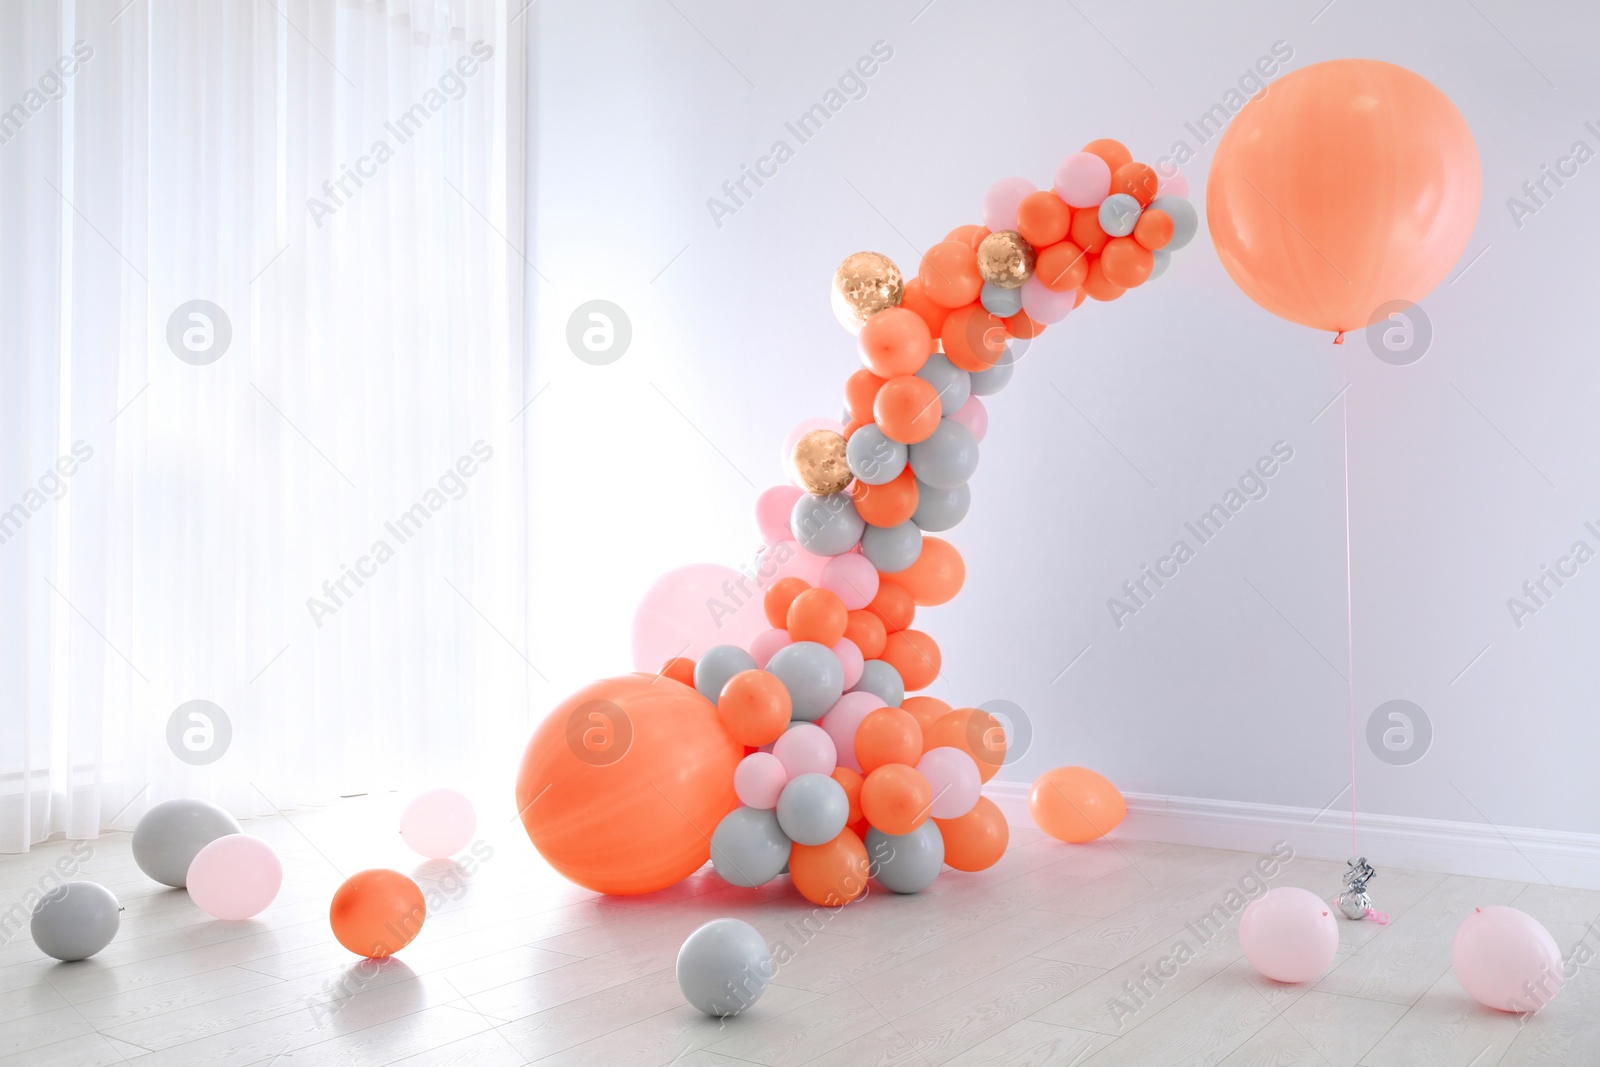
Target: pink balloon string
(1377, 916)
(1350, 629)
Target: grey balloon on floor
(941, 509)
(812, 809)
(991, 381)
(953, 384)
(948, 457)
(906, 863)
(75, 921)
(724, 967)
(720, 663)
(892, 548)
(171, 833)
(748, 848)
(1185, 222)
(882, 681)
(874, 458)
(812, 674)
(826, 525)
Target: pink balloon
(1000, 202)
(1175, 185)
(438, 823)
(805, 749)
(693, 608)
(1083, 180)
(1046, 305)
(764, 645)
(851, 660)
(1289, 934)
(853, 578)
(773, 508)
(1505, 959)
(799, 431)
(842, 721)
(235, 877)
(974, 416)
(759, 779)
(954, 776)
(787, 559)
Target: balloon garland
(798, 746)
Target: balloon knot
(1339, 340)
(1377, 916)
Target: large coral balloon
(1351, 184)
(624, 782)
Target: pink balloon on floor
(1289, 934)
(954, 777)
(438, 824)
(691, 609)
(1505, 959)
(805, 749)
(842, 721)
(1001, 201)
(766, 643)
(974, 416)
(758, 780)
(851, 660)
(852, 578)
(235, 877)
(773, 508)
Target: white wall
(1469, 469)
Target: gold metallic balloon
(820, 461)
(1005, 259)
(865, 282)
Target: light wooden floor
(1016, 965)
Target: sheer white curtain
(320, 531)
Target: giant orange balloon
(1075, 804)
(376, 913)
(624, 782)
(1351, 184)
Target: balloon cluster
(837, 773)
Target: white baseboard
(1524, 855)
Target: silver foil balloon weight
(1354, 901)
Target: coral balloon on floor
(1074, 804)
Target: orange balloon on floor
(624, 782)
(1075, 804)
(976, 840)
(1352, 184)
(832, 874)
(376, 913)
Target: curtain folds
(261, 489)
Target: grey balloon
(906, 863)
(952, 383)
(892, 548)
(826, 525)
(940, 509)
(724, 967)
(998, 301)
(882, 681)
(1163, 259)
(874, 458)
(748, 848)
(1119, 214)
(947, 458)
(1185, 222)
(812, 674)
(171, 833)
(720, 663)
(812, 809)
(991, 381)
(75, 921)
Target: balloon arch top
(794, 745)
